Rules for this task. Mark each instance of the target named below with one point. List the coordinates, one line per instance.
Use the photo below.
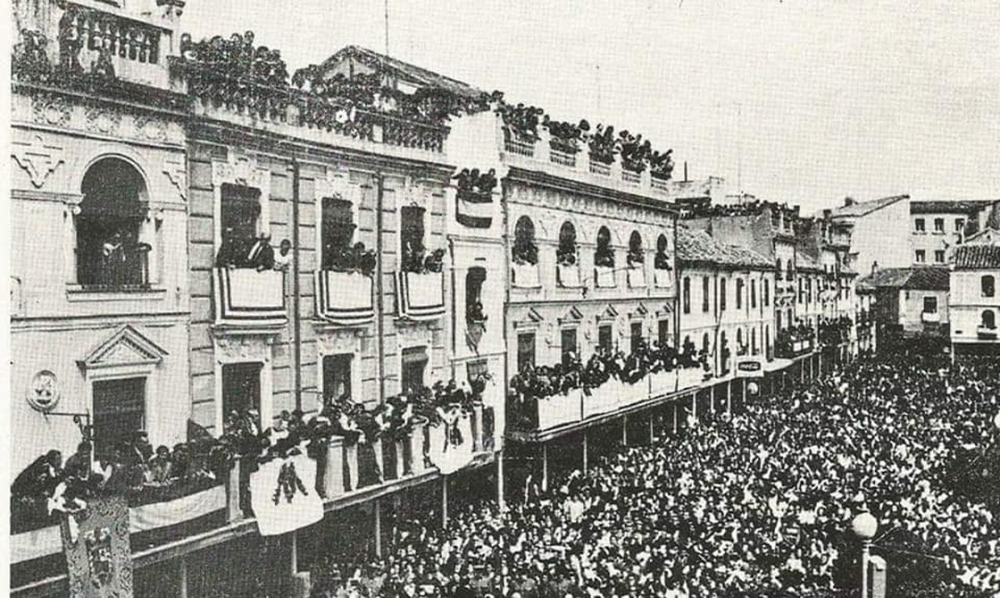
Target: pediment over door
(127, 347)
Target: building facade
(974, 304)
(877, 238)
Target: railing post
(477, 427)
(333, 468)
(233, 490)
(417, 463)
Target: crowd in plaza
(756, 503)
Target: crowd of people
(255, 253)
(757, 503)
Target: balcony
(631, 178)
(986, 334)
(474, 209)
(420, 296)
(519, 147)
(663, 279)
(930, 317)
(568, 277)
(563, 158)
(604, 277)
(637, 277)
(249, 301)
(344, 298)
(525, 276)
(599, 168)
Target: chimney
(849, 201)
(826, 214)
(685, 171)
(874, 266)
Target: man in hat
(261, 255)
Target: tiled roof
(863, 208)
(975, 257)
(695, 246)
(804, 261)
(949, 207)
(407, 71)
(922, 278)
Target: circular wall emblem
(44, 392)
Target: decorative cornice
(531, 177)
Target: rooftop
(863, 208)
(699, 247)
(404, 70)
(949, 207)
(976, 257)
(922, 278)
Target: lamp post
(864, 525)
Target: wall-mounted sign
(749, 368)
(43, 394)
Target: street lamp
(865, 526)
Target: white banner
(275, 512)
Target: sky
(799, 101)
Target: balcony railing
(637, 277)
(246, 298)
(930, 317)
(568, 276)
(520, 147)
(562, 157)
(420, 296)
(659, 184)
(343, 298)
(663, 279)
(986, 334)
(600, 168)
(632, 178)
(128, 275)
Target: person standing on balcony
(283, 259)
(113, 252)
(230, 254)
(261, 255)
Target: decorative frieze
(103, 121)
(38, 158)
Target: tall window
(525, 350)
(767, 342)
(337, 376)
(636, 254)
(604, 256)
(753, 342)
(739, 293)
(930, 305)
(919, 225)
(474, 279)
(636, 335)
(411, 230)
(706, 344)
(723, 294)
(604, 341)
(663, 332)
(790, 268)
(767, 293)
(241, 388)
(939, 225)
(921, 256)
(337, 233)
(705, 282)
(939, 256)
(959, 225)
(987, 285)
(566, 252)
(109, 254)
(753, 294)
(414, 368)
(777, 266)
(989, 319)
(567, 345)
(686, 295)
(662, 260)
(740, 349)
(119, 411)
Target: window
(753, 294)
(939, 225)
(753, 342)
(740, 350)
(566, 252)
(636, 255)
(686, 295)
(919, 225)
(604, 256)
(939, 256)
(723, 294)
(777, 266)
(989, 319)
(239, 218)
(767, 293)
(241, 388)
(337, 376)
(337, 232)
(662, 260)
(414, 368)
(739, 293)
(959, 225)
(474, 280)
(777, 320)
(663, 332)
(705, 283)
(411, 231)
(921, 256)
(930, 305)
(525, 251)
(636, 335)
(706, 344)
(119, 411)
(724, 353)
(604, 341)
(568, 344)
(109, 254)
(987, 285)
(790, 269)
(525, 351)
(767, 343)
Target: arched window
(989, 319)
(636, 255)
(566, 252)
(662, 261)
(109, 254)
(525, 251)
(739, 342)
(739, 294)
(604, 256)
(988, 284)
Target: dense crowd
(753, 504)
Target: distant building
(878, 240)
(938, 226)
(975, 303)
(909, 303)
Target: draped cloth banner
(283, 495)
(451, 441)
(98, 553)
(420, 296)
(179, 510)
(244, 295)
(474, 210)
(344, 298)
